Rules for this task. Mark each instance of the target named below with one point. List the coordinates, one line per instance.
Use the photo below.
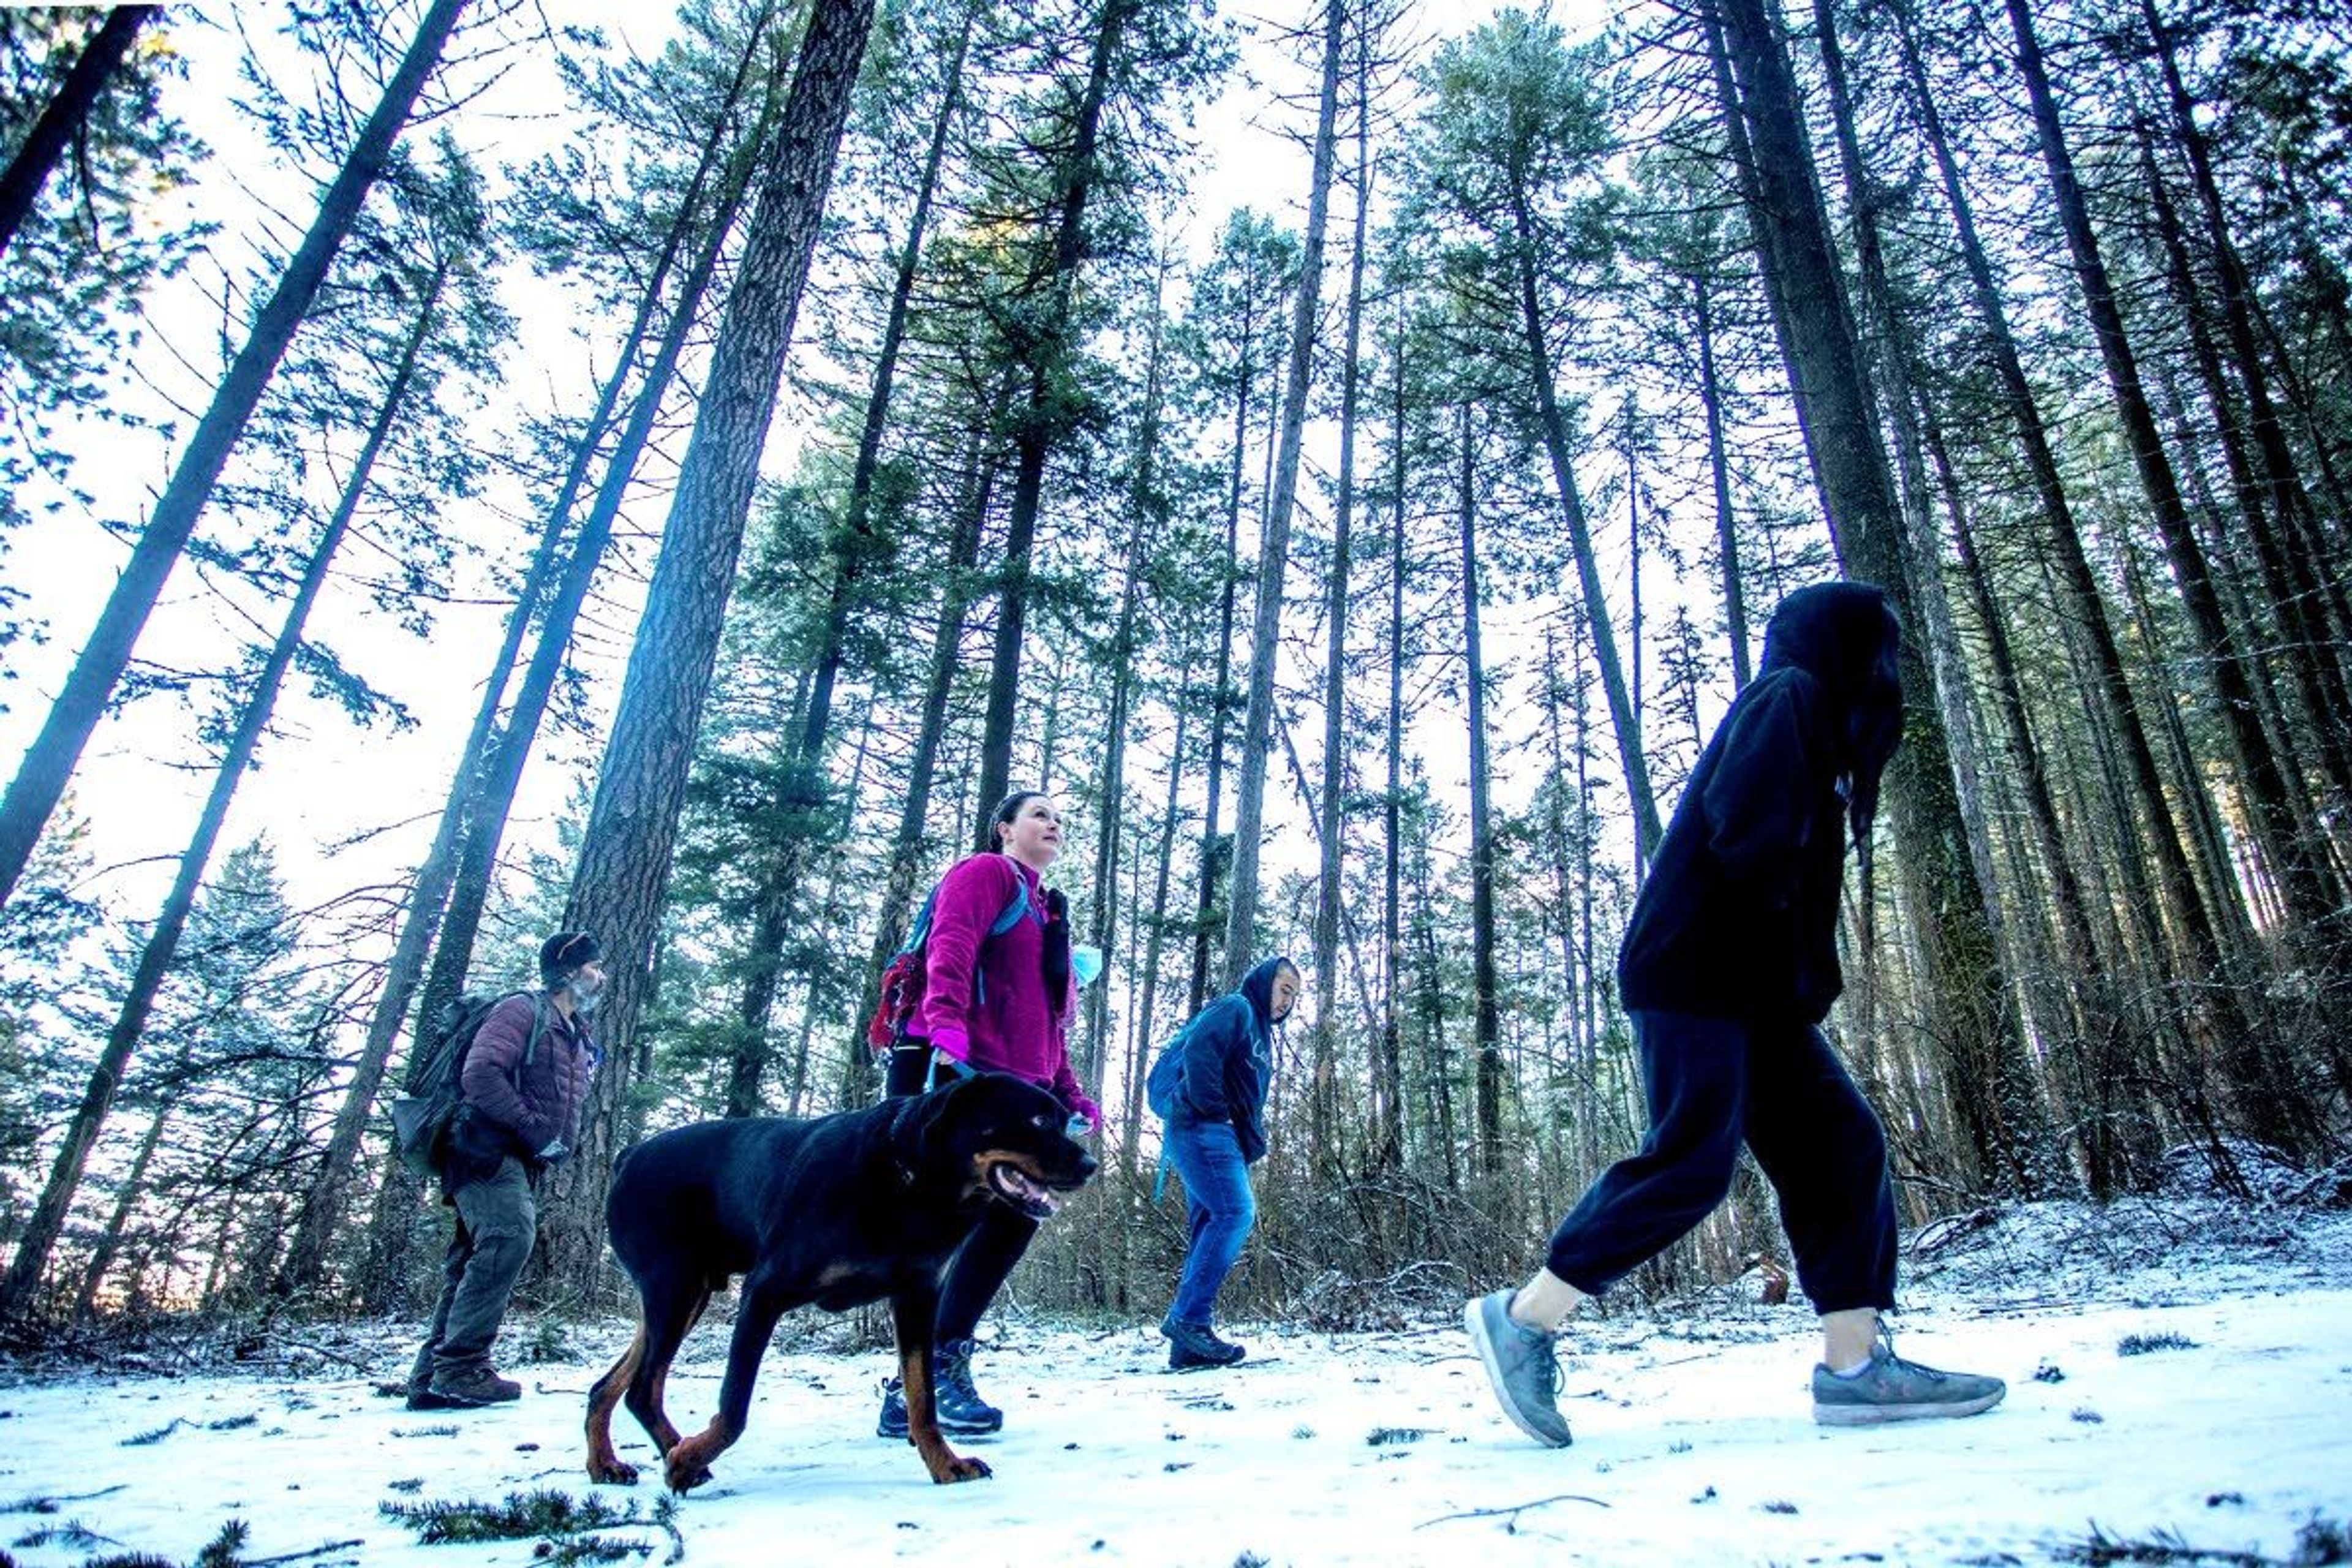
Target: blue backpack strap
(918, 933)
(1014, 907)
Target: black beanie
(565, 951)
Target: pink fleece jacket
(984, 998)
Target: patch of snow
(1694, 1439)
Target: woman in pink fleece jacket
(993, 1000)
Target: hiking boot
(960, 1408)
(1520, 1367)
(892, 1423)
(474, 1386)
(1197, 1344)
(1889, 1388)
(421, 1397)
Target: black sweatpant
(1713, 1083)
(987, 1257)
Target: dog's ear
(919, 1132)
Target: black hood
(1846, 636)
(1257, 989)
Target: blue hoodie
(1219, 1064)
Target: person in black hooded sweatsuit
(1728, 967)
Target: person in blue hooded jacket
(1728, 967)
(1209, 1087)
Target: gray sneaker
(1893, 1389)
(1520, 1366)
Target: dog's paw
(687, 1464)
(612, 1473)
(961, 1468)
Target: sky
(345, 808)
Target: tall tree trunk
(1986, 1076)
(1555, 831)
(1895, 363)
(2317, 673)
(2287, 640)
(1214, 853)
(506, 757)
(2270, 808)
(1041, 426)
(853, 549)
(1486, 1018)
(1147, 995)
(1273, 545)
(907, 846)
(1552, 421)
(41, 778)
(1710, 394)
(2092, 1004)
(21, 1286)
(321, 1208)
(1388, 1069)
(2174, 886)
(64, 115)
(1145, 508)
(2305, 638)
(126, 1198)
(625, 856)
(1324, 1106)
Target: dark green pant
(496, 1217)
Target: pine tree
(41, 778)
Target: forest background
(467, 476)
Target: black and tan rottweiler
(839, 1211)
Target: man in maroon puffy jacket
(524, 1082)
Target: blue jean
(1223, 1211)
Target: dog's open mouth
(1023, 1191)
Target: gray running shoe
(1520, 1366)
(1894, 1389)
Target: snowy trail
(1693, 1444)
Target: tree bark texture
(625, 859)
(1983, 1055)
(64, 115)
(1274, 544)
(321, 1208)
(1042, 425)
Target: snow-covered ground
(2177, 1372)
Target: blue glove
(1076, 1128)
(554, 1150)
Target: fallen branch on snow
(1512, 1514)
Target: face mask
(587, 991)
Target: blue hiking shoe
(1892, 1389)
(961, 1411)
(1520, 1367)
(1194, 1345)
